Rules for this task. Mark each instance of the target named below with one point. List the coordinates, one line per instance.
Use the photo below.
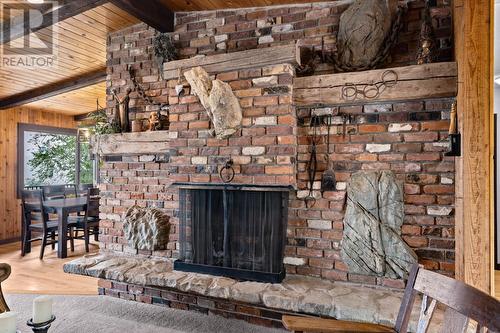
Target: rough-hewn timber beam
(54, 89)
(50, 16)
(152, 12)
(413, 82)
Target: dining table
(63, 208)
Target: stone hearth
(130, 277)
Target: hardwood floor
(30, 275)
(33, 276)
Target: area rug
(99, 314)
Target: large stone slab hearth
(296, 294)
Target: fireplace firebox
(233, 230)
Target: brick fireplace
(408, 137)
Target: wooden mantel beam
(54, 89)
(152, 12)
(50, 16)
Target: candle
(8, 322)
(42, 309)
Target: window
(52, 156)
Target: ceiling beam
(54, 89)
(152, 12)
(52, 15)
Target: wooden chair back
(54, 192)
(70, 191)
(93, 200)
(463, 302)
(33, 210)
(84, 188)
(4, 274)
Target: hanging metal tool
(328, 181)
(227, 173)
(312, 166)
(453, 135)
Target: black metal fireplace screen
(231, 230)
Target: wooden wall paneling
(474, 177)
(10, 211)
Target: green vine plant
(100, 123)
(164, 50)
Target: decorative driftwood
(4, 274)
(363, 28)
(218, 99)
(122, 110)
(141, 143)
(146, 228)
(226, 62)
(413, 82)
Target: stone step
(339, 300)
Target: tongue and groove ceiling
(81, 40)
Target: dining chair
(34, 211)
(84, 188)
(70, 191)
(462, 303)
(89, 223)
(54, 192)
(5, 271)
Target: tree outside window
(52, 156)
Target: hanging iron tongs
(312, 166)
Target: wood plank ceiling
(81, 48)
(81, 41)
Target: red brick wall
(273, 145)
(407, 138)
(311, 25)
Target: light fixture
(35, 1)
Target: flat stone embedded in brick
(446, 181)
(319, 224)
(266, 39)
(341, 186)
(282, 28)
(221, 38)
(253, 151)
(147, 158)
(265, 81)
(199, 160)
(294, 261)
(378, 148)
(439, 210)
(400, 127)
(266, 121)
(326, 112)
